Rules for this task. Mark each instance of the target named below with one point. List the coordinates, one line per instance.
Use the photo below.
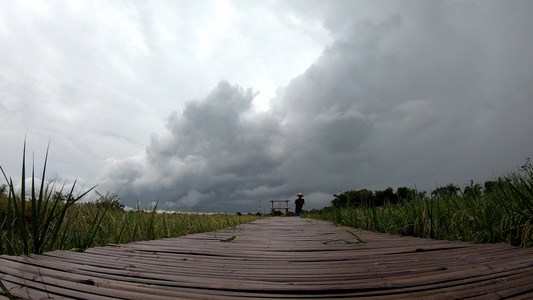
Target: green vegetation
(502, 211)
(47, 218)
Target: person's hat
(300, 195)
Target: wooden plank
(278, 258)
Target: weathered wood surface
(277, 258)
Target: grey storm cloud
(214, 148)
(429, 94)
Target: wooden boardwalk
(277, 258)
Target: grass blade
(6, 291)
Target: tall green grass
(86, 225)
(118, 227)
(502, 215)
(50, 218)
(38, 227)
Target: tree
(491, 186)
(474, 190)
(445, 191)
(111, 202)
(353, 198)
(405, 193)
(387, 195)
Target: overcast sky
(217, 105)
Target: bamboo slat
(279, 258)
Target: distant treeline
(355, 198)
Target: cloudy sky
(218, 105)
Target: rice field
(88, 225)
(503, 214)
(52, 218)
(46, 217)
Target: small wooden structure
(286, 207)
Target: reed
(6, 291)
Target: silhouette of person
(299, 204)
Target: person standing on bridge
(299, 204)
